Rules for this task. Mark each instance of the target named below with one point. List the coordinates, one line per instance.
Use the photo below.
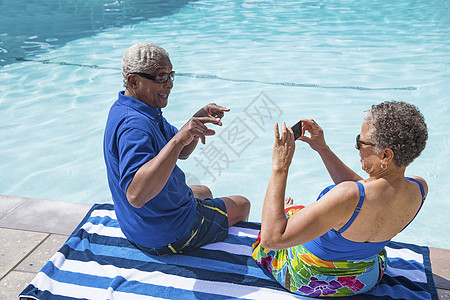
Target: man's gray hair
(140, 58)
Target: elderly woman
(335, 246)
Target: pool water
(268, 61)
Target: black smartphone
(297, 129)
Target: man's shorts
(210, 225)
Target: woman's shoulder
(347, 190)
(350, 185)
(422, 181)
(341, 202)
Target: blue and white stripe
(97, 262)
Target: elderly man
(156, 209)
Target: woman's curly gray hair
(141, 57)
(399, 126)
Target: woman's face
(370, 159)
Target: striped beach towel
(98, 262)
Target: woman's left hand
(283, 148)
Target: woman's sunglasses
(359, 143)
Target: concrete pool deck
(32, 230)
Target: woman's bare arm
(338, 171)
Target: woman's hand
(316, 140)
(212, 110)
(283, 148)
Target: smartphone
(297, 129)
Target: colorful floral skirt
(303, 273)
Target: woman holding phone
(335, 246)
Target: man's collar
(139, 105)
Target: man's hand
(212, 110)
(196, 129)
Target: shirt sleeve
(171, 130)
(135, 147)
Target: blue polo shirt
(133, 136)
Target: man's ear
(131, 78)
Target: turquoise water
(268, 61)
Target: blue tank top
(333, 246)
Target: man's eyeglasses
(158, 78)
(359, 143)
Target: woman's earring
(383, 167)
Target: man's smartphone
(297, 129)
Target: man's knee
(246, 209)
(238, 208)
(201, 191)
(246, 205)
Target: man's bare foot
(288, 202)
